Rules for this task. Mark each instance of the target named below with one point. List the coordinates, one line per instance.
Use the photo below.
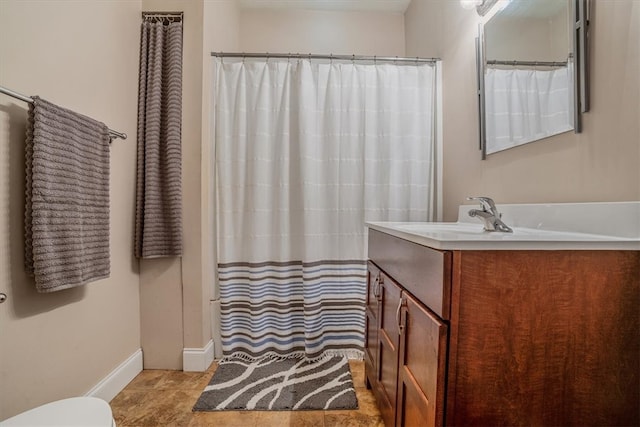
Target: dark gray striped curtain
(159, 176)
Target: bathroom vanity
(534, 327)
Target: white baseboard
(197, 359)
(215, 328)
(118, 379)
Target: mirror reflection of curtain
(524, 105)
(305, 153)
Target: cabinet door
(422, 360)
(388, 340)
(372, 325)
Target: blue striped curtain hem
(292, 309)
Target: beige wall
(175, 292)
(600, 164)
(170, 288)
(322, 32)
(83, 56)
(221, 34)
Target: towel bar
(112, 133)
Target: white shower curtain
(305, 153)
(524, 105)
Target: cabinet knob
(3, 297)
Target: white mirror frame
(581, 18)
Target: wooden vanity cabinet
(503, 338)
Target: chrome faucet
(490, 215)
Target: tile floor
(165, 398)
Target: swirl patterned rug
(280, 385)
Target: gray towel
(159, 177)
(67, 198)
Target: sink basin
(471, 236)
(451, 229)
(462, 230)
(555, 226)
(441, 227)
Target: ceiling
(398, 6)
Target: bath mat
(280, 385)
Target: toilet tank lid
(72, 412)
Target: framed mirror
(532, 71)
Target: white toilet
(73, 412)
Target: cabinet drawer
(424, 272)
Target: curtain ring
(375, 60)
(353, 58)
(309, 57)
(243, 58)
(331, 59)
(289, 58)
(267, 58)
(395, 61)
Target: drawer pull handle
(400, 325)
(376, 286)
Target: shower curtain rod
(112, 133)
(528, 63)
(329, 57)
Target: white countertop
(565, 226)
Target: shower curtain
(524, 105)
(306, 152)
(158, 226)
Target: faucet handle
(486, 202)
